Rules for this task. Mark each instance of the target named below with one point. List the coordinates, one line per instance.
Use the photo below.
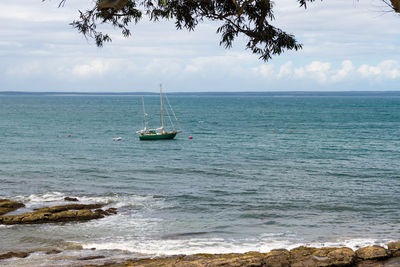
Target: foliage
(251, 18)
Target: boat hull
(165, 136)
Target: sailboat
(158, 133)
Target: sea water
(262, 171)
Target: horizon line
(195, 92)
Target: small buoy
(58, 136)
(291, 131)
(190, 137)
(69, 135)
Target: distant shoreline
(271, 93)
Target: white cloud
(386, 70)
(94, 68)
(26, 69)
(285, 70)
(316, 70)
(231, 63)
(346, 70)
(324, 73)
(266, 70)
(368, 71)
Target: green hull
(157, 136)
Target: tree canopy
(251, 18)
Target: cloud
(346, 70)
(386, 70)
(285, 70)
(26, 69)
(95, 68)
(265, 70)
(316, 70)
(324, 73)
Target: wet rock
(53, 251)
(33, 217)
(370, 263)
(392, 262)
(11, 254)
(371, 253)
(106, 212)
(71, 207)
(66, 213)
(71, 199)
(111, 210)
(91, 258)
(7, 206)
(394, 248)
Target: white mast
(144, 115)
(162, 110)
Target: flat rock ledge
(7, 206)
(371, 256)
(63, 213)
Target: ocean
(263, 171)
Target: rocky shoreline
(54, 214)
(370, 256)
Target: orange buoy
(190, 137)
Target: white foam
(174, 247)
(353, 243)
(42, 197)
(141, 202)
(217, 245)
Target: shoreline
(382, 254)
(369, 256)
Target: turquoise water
(261, 172)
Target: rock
(250, 259)
(11, 254)
(35, 217)
(255, 259)
(53, 251)
(70, 199)
(302, 256)
(277, 258)
(111, 210)
(107, 212)
(370, 263)
(91, 258)
(341, 256)
(7, 206)
(394, 248)
(66, 213)
(71, 207)
(371, 253)
(297, 257)
(88, 215)
(392, 262)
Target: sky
(348, 45)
